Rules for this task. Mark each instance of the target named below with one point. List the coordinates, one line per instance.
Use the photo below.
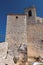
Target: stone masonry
(25, 29)
(16, 31)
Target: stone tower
(31, 15)
(16, 31)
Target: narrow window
(16, 17)
(30, 13)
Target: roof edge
(16, 14)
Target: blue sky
(16, 6)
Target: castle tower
(16, 30)
(31, 15)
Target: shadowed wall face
(34, 37)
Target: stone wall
(16, 31)
(3, 49)
(35, 39)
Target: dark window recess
(6, 64)
(16, 17)
(30, 13)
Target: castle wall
(26, 29)
(35, 39)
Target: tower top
(28, 8)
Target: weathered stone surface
(8, 61)
(2, 61)
(3, 49)
(34, 37)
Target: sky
(16, 7)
